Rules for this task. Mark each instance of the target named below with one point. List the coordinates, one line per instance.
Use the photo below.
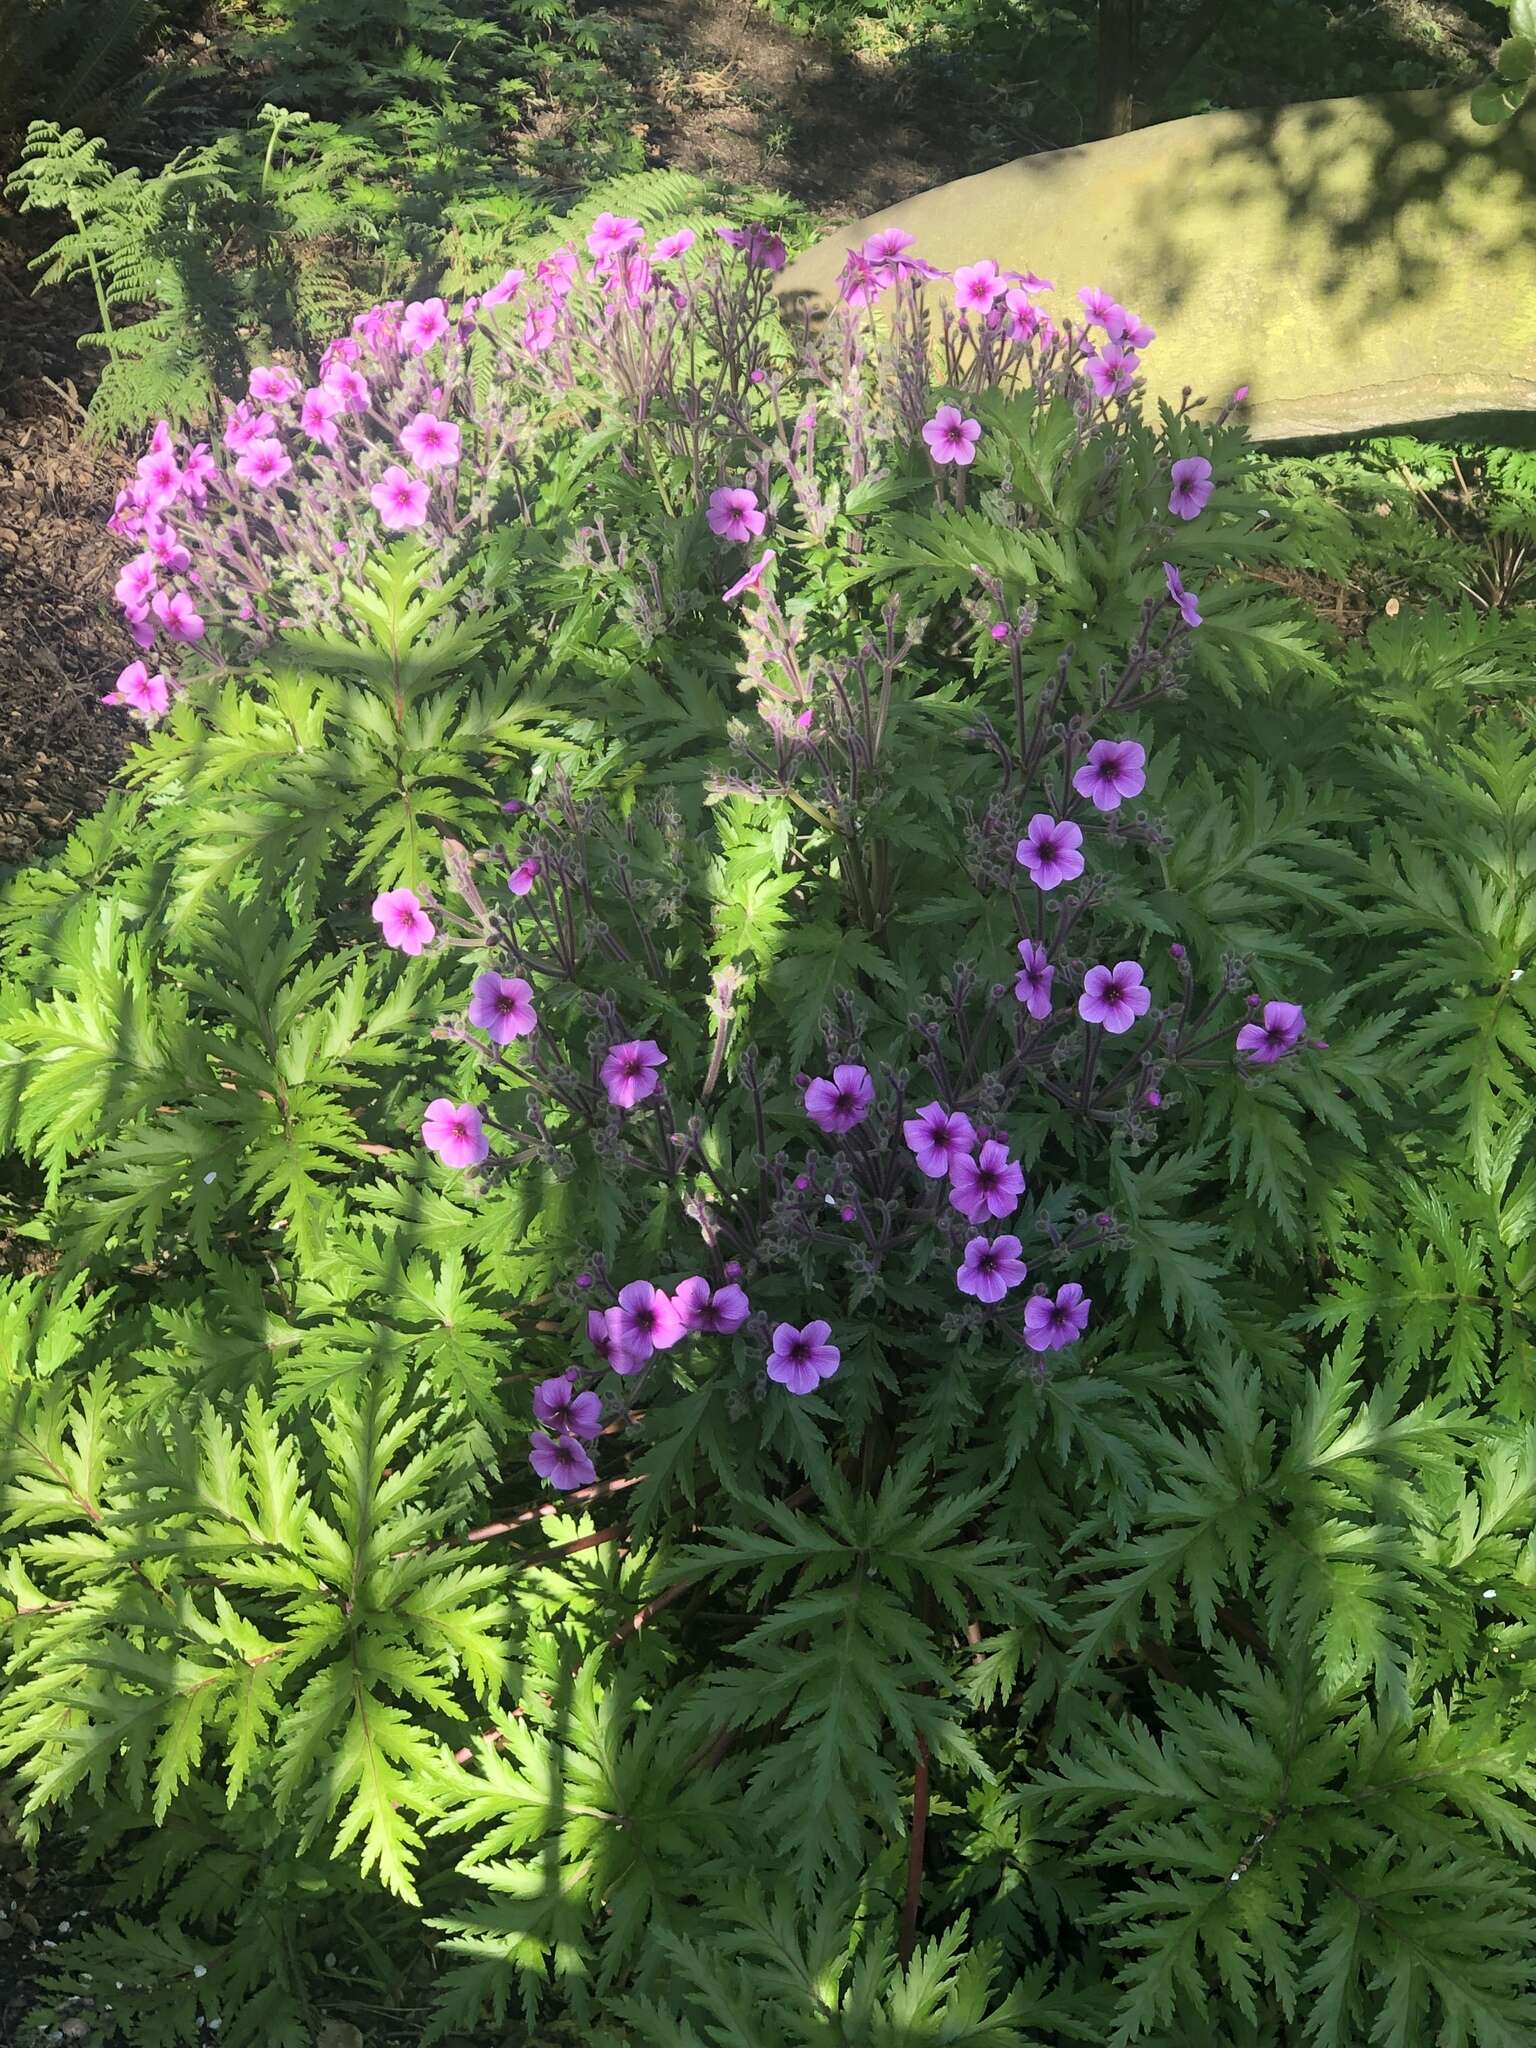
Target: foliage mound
(790, 1189)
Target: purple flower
(1284, 1027)
(1050, 1324)
(272, 385)
(630, 1073)
(453, 1130)
(1112, 772)
(1114, 997)
(802, 1358)
(402, 920)
(1192, 487)
(1112, 370)
(988, 1185)
(422, 324)
(990, 1267)
(750, 579)
(951, 437)
(524, 875)
(937, 1137)
(733, 513)
(431, 443)
(763, 249)
(710, 1314)
(611, 234)
(842, 1102)
(670, 247)
(1049, 850)
(599, 1335)
(318, 414)
(1032, 983)
(178, 615)
(263, 463)
(557, 1405)
(1189, 611)
(400, 499)
(978, 287)
(146, 696)
(502, 1004)
(645, 1320)
(561, 1460)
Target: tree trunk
(1118, 23)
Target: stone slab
(1361, 264)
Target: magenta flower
(630, 1072)
(539, 329)
(1049, 850)
(244, 426)
(135, 585)
(454, 1131)
(318, 414)
(988, 1185)
(1125, 327)
(1112, 370)
(733, 513)
(1102, 310)
(1114, 997)
(751, 579)
(146, 696)
(1192, 487)
(431, 443)
(937, 1137)
(404, 923)
(1283, 1028)
(762, 249)
(272, 385)
(349, 385)
(263, 463)
(400, 499)
(422, 325)
(885, 244)
(1032, 983)
(1189, 611)
(179, 616)
(990, 1267)
(951, 437)
(557, 1405)
(524, 875)
(1048, 1325)
(160, 477)
(198, 473)
(561, 1460)
(1112, 772)
(710, 1314)
(670, 247)
(502, 1005)
(504, 288)
(978, 286)
(645, 1320)
(837, 1105)
(611, 234)
(800, 1359)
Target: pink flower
(801, 1359)
(263, 463)
(599, 1336)
(557, 1404)
(523, 876)
(1283, 1028)
(160, 477)
(1101, 309)
(198, 473)
(710, 1314)
(837, 1105)
(505, 288)
(885, 244)
(558, 271)
(1192, 487)
(431, 443)
(990, 1267)
(951, 437)
(978, 286)
(244, 426)
(644, 1321)
(272, 385)
(1032, 983)
(1114, 997)
(1048, 1325)
(146, 696)
(1125, 327)
(1112, 772)
(1049, 850)
(502, 1005)
(401, 919)
(400, 499)
(936, 1137)
(539, 329)
(611, 234)
(422, 325)
(988, 1185)
(763, 249)
(135, 585)
(733, 513)
(350, 386)
(453, 1130)
(672, 246)
(751, 578)
(631, 1071)
(179, 616)
(1189, 610)
(1112, 370)
(561, 1460)
(317, 414)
